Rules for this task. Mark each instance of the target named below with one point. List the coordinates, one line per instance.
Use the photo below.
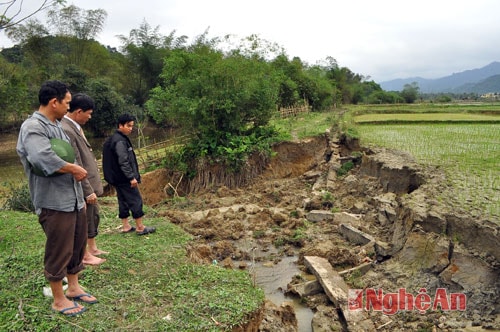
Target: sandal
(81, 298)
(68, 314)
(129, 231)
(146, 230)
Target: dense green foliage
(214, 94)
(223, 102)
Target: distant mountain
(491, 84)
(482, 80)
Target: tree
(75, 78)
(301, 83)
(145, 50)
(15, 98)
(66, 41)
(384, 97)
(79, 26)
(253, 46)
(292, 72)
(22, 33)
(13, 14)
(109, 104)
(346, 82)
(317, 89)
(214, 94)
(410, 92)
(223, 101)
(73, 21)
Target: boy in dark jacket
(122, 171)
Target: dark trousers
(93, 220)
(66, 234)
(129, 200)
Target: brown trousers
(66, 234)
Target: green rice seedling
(426, 117)
(469, 154)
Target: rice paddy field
(466, 146)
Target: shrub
(20, 199)
(345, 168)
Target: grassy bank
(464, 141)
(469, 154)
(147, 282)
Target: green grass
(305, 124)
(469, 154)
(462, 107)
(147, 282)
(425, 118)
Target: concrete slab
(362, 268)
(333, 284)
(355, 235)
(307, 288)
(319, 215)
(336, 289)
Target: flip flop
(129, 231)
(80, 298)
(71, 314)
(147, 230)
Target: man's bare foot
(68, 307)
(90, 259)
(78, 294)
(97, 252)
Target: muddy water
(273, 278)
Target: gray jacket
(62, 192)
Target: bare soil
(265, 218)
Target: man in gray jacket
(79, 113)
(57, 196)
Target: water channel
(273, 278)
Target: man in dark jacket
(122, 171)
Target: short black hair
(124, 118)
(81, 101)
(50, 90)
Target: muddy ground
(298, 206)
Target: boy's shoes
(146, 230)
(130, 230)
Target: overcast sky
(380, 39)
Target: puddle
(273, 278)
